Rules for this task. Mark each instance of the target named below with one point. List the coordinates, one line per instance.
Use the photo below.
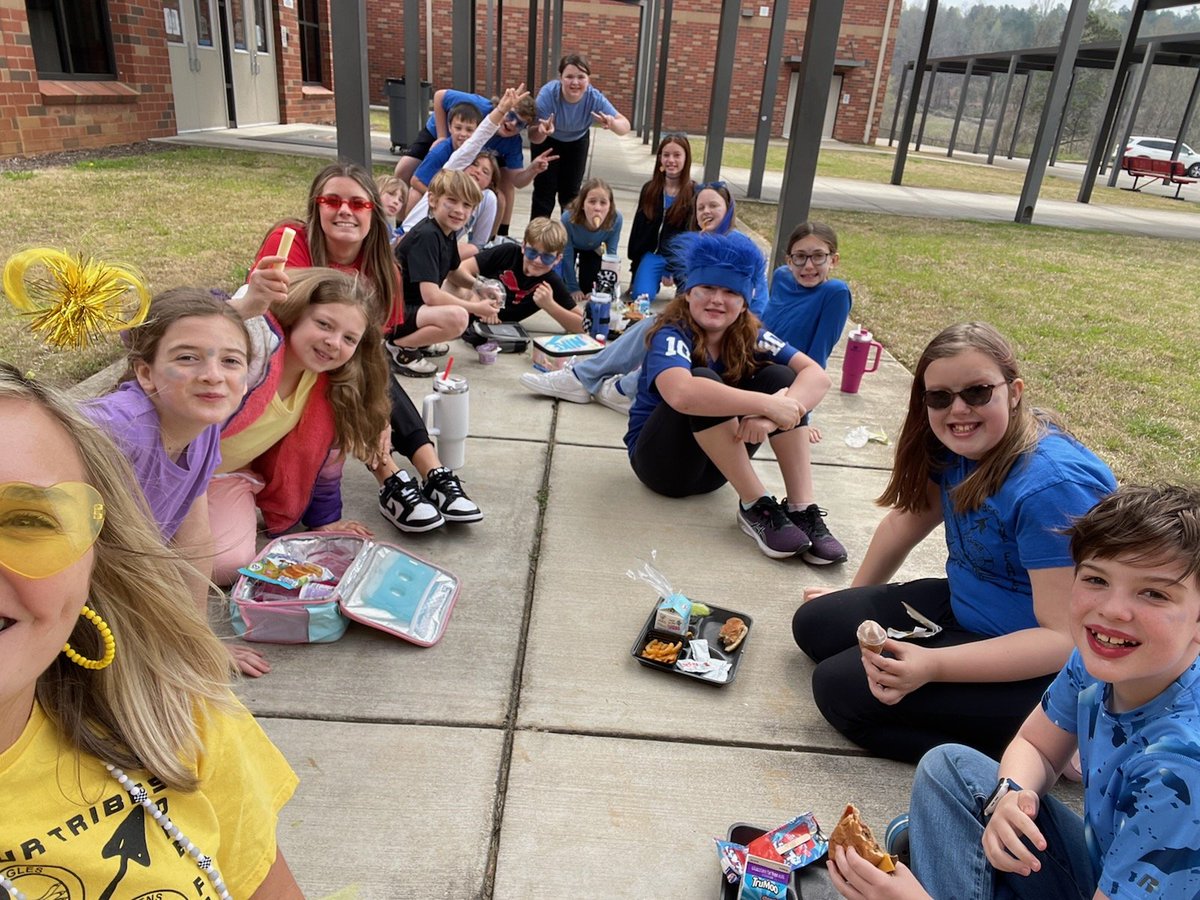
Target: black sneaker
(410, 361)
(896, 839)
(825, 549)
(771, 529)
(444, 491)
(403, 504)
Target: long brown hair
(358, 389)
(377, 262)
(577, 216)
(918, 450)
(682, 214)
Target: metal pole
(556, 34)
(1064, 64)
(652, 89)
(546, 16)
(664, 58)
(910, 111)
(639, 78)
(1143, 77)
(414, 113)
(808, 117)
(1187, 115)
(463, 44)
(349, 24)
(1111, 103)
(766, 103)
(489, 27)
(531, 81)
(987, 101)
(1108, 138)
(1012, 146)
(1063, 121)
(962, 104)
(925, 108)
(899, 100)
(1008, 80)
(722, 84)
(500, 50)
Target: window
(172, 21)
(204, 23)
(309, 16)
(260, 26)
(71, 43)
(239, 24)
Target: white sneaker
(561, 384)
(609, 396)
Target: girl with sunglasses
(346, 230)
(1004, 480)
(666, 208)
(114, 692)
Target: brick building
(88, 73)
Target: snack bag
(674, 609)
(733, 860)
(797, 843)
(286, 572)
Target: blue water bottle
(599, 310)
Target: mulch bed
(67, 157)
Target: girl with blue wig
(715, 384)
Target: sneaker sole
(414, 529)
(560, 395)
(455, 519)
(431, 354)
(813, 560)
(623, 409)
(774, 554)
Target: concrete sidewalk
(528, 755)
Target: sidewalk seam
(514, 703)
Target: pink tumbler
(854, 364)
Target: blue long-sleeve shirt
(810, 319)
(582, 238)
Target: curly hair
(358, 390)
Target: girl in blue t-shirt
(567, 109)
(714, 386)
(1004, 480)
(592, 222)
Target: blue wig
(727, 260)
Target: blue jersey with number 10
(671, 348)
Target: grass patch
(1086, 310)
(875, 166)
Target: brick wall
(299, 102)
(37, 116)
(607, 32)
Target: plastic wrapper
(491, 290)
(733, 860)
(287, 572)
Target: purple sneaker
(825, 549)
(769, 525)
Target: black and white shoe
(410, 361)
(403, 504)
(443, 489)
(435, 350)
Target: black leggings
(408, 429)
(983, 715)
(666, 457)
(562, 177)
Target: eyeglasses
(514, 120)
(975, 395)
(45, 529)
(546, 259)
(800, 260)
(333, 201)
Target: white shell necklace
(141, 796)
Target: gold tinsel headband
(74, 299)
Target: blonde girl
(137, 703)
(1004, 480)
(593, 227)
(318, 392)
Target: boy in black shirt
(527, 273)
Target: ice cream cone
(871, 636)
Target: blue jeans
(946, 827)
(622, 357)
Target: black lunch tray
(703, 628)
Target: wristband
(1003, 787)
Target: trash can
(397, 94)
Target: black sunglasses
(975, 395)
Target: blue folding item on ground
(377, 584)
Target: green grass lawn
(1087, 311)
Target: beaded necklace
(141, 796)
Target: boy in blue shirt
(1128, 698)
